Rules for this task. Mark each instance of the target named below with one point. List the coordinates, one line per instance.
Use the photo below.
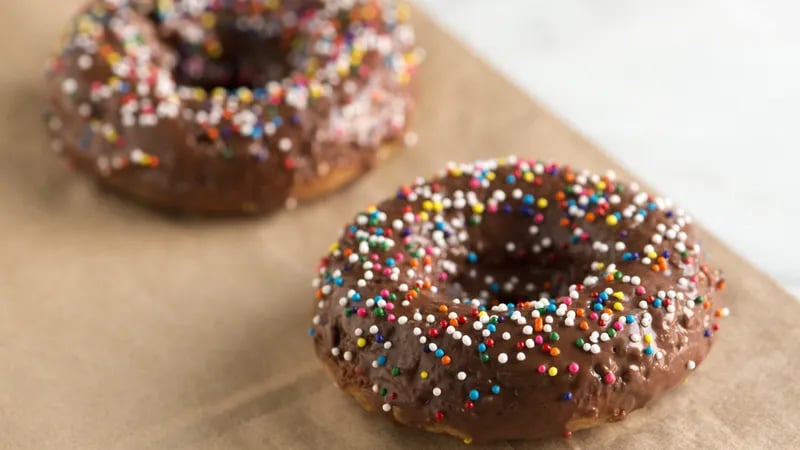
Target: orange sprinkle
(212, 133)
(560, 196)
(555, 351)
(609, 277)
(569, 177)
(454, 322)
(706, 304)
(446, 360)
(579, 312)
(564, 222)
(347, 252)
(662, 263)
(656, 268)
(318, 294)
(538, 324)
(721, 285)
(443, 308)
(584, 325)
(413, 262)
(606, 310)
(426, 260)
(590, 216)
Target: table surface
(698, 97)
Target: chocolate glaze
(500, 228)
(233, 107)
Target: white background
(701, 98)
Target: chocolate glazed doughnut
(512, 299)
(231, 106)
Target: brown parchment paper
(122, 328)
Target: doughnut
(231, 106)
(514, 299)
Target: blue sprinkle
(356, 297)
(603, 296)
(551, 307)
(481, 347)
(495, 389)
(629, 318)
(598, 307)
(311, 332)
(707, 333)
(379, 231)
(527, 199)
(657, 303)
(390, 262)
(491, 327)
(474, 394)
(507, 209)
(494, 287)
(381, 360)
(380, 339)
(567, 396)
(649, 351)
(511, 179)
(439, 353)
(472, 257)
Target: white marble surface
(700, 97)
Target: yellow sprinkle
(611, 220)
(423, 216)
(245, 95)
(552, 371)
(315, 89)
(403, 12)
(617, 306)
(482, 313)
(648, 338)
(402, 77)
(214, 49)
(491, 176)
(356, 57)
(618, 295)
(333, 247)
(601, 185)
(438, 206)
(427, 205)
(208, 20)
(528, 177)
(272, 4)
(541, 203)
(478, 208)
(456, 172)
(361, 342)
(218, 92)
(423, 375)
(600, 265)
(652, 255)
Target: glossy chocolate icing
(509, 234)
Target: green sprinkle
(553, 336)
(395, 371)
(580, 342)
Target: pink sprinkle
(390, 317)
(399, 257)
(618, 326)
(609, 378)
(390, 306)
(387, 271)
(362, 312)
(585, 236)
(474, 183)
(538, 339)
(492, 208)
(538, 218)
(542, 368)
(640, 290)
(374, 257)
(566, 300)
(443, 276)
(574, 367)
(593, 316)
(377, 266)
(384, 293)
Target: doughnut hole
(507, 263)
(238, 51)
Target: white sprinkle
(386, 407)
(461, 376)
(437, 392)
(520, 356)
(691, 365)
(502, 358)
(466, 340)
